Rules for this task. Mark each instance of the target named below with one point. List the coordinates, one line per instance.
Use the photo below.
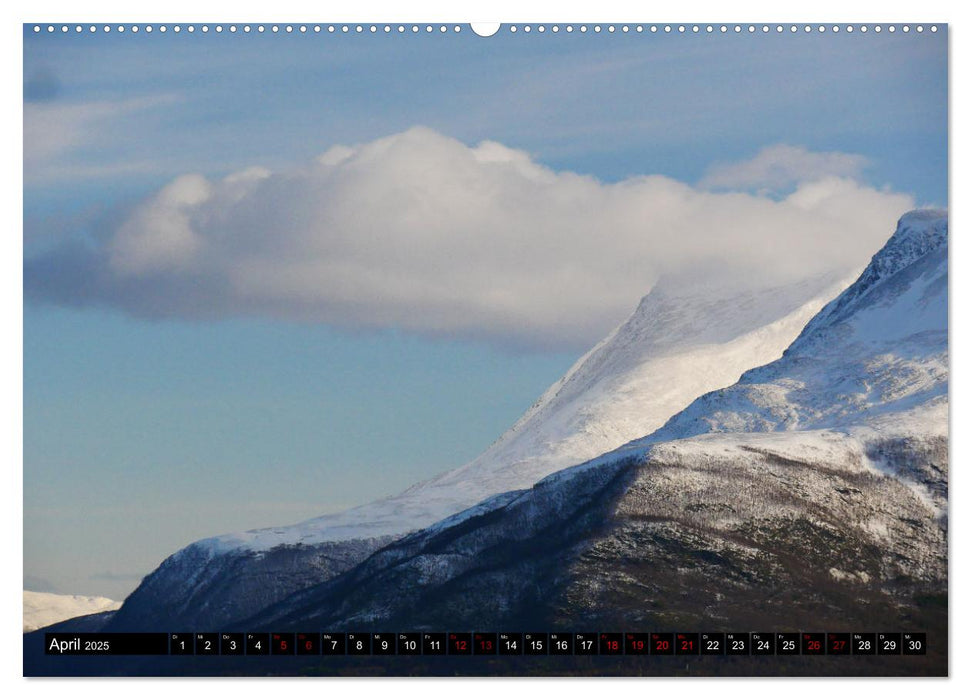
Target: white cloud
(55, 132)
(779, 167)
(160, 233)
(420, 232)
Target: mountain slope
(678, 344)
(811, 494)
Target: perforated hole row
(720, 28)
(251, 28)
(512, 29)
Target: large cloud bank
(419, 232)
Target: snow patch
(43, 609)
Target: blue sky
(187, 393)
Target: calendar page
(514, 349)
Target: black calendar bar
(107, 644)
(487, 643)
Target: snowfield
(43, 609)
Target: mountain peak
(879, 348)
(918, 232)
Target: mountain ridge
(677, 344)
(794, 525)
(767, 404)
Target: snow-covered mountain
(810, 494)
(43, 609)
(684, 339)
(877, 350)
